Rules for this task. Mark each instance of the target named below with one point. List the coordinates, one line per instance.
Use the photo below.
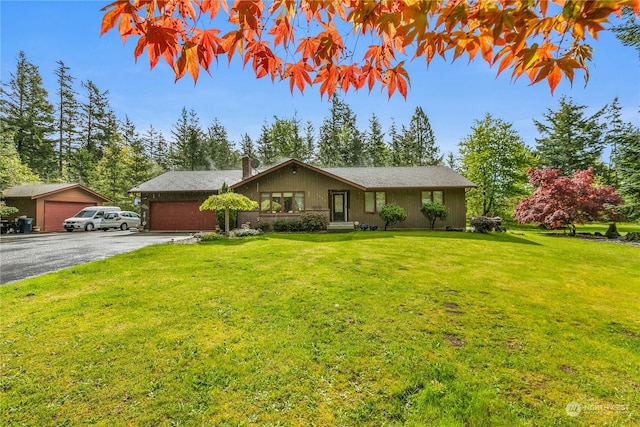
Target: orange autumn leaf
(396, 78)
(350, 76)
(188, 61)
(298, 75)
(554, 78)
(159, 42)
(123, 11)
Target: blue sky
(452, 95)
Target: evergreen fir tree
(629, 31)
(614, 137)
(113, 172)
(377, 151)
(26, 112)
(569, 140)
(340, 142)
(419, 144)
(157, 147)
(67, 116)
(309, 141)
(189, 151)
(398, 152)
(287, 139)
(141, 166)
(299, 145)
(265, 146)
(97, 120)
(624, 139)
(247, 148)
(452, 161)
(220, 150)
(97, 126)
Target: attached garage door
(56, 212)
(183, 216)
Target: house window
(299, 198)
(282, 202)
(374, 201)
(433, 197)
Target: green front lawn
(366, 328)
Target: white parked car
(123, 220)
(89, 218)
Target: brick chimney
(246, 167)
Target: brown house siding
(410, 200)
(25, 205)
(317, 187)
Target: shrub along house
(288, 189)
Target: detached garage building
(50, 204)
(171, 201)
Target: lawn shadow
(331, 237)
(491, 237)
(233, 241)
(345, 237)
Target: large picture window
(282, 202)
(434, 196)
(374, 201)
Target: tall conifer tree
(188, 149)
(26, 112)
(221, 152)
(569, 139)
(67, 115)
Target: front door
(339, 206)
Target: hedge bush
(287, 225)
(313, 221)
(484, 224)
(210, 237)
(392, 214)
(433, 212)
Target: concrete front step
(340, 227)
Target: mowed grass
(367, 328)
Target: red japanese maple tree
(306, 41)
(561, 201)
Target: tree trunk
(612, 232)
(226, 222)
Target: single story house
(345, 195)
(50, 204)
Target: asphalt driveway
(29, 255)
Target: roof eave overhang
(134, 191)
(301, 164)
(60, 190)
(404, 187)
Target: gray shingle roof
(403, 177)
(370, 178)
(189, 181)
(31, 190)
